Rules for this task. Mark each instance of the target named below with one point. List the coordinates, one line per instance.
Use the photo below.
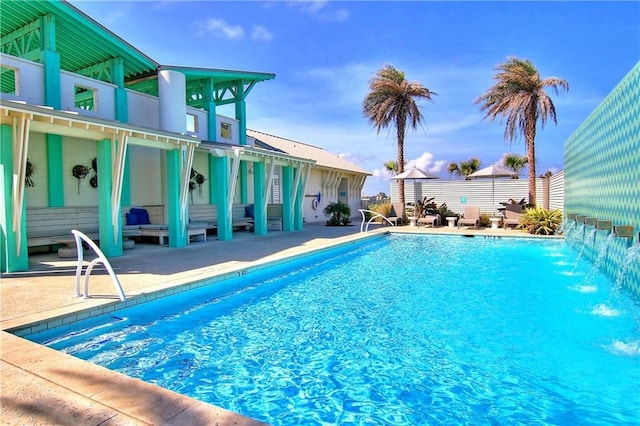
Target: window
(225, 130)
(9, 80)
(85, 98)
(192, 123)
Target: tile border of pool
(22, 329)
(120, 399)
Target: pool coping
(65, 387)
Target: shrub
(540, 221)
(340, 214)
(384, 209)
(484, 220)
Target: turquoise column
(221, 173)
(50, 59)
(55, 172)
(122, 114)
(117, 77)
(210, 107)
(287, 195)
(108, 246)
(177, 238)
(298, 214)
(11, 260)
(241, 114)
(260, 218)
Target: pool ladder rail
(80, 237)
(374, 215)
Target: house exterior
(331, 178)
(91, 126)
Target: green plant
(425, 205)
(340, 214)
(540, 221)
(443, 211)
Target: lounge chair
(397, 213)
(432, 220)
(471, 216)
(512, 214)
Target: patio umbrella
(493, 172)
(414, 174)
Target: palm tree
(515, 162)
(465, 168)
(392, 102)
(518, 96)
(391, 166)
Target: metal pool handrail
(79, 236)
(374, 216)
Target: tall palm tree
(515, 162)
(392, 103)
(518, 96)
(465, 168)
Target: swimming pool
(402, 330)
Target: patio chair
(512, 214)
(432, 220)
(471, 216)
(397, 213)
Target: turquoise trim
(55, 177)
(108, 246)
(287, 190)
(260, 218)
(10, 259)
(177, 238)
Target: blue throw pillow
(143, 215)
(248, 211)
(132, 219)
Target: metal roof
(85, 47)
(324, 159)
(81, 41)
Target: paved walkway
(43, 386)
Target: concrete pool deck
(42, 386)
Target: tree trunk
(400, 141)
(530, 137)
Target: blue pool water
(403, 330)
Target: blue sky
(325, 52)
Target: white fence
(485, 193)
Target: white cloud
(322, 9)
(426, 163)
(260, 32)
(221, 28)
